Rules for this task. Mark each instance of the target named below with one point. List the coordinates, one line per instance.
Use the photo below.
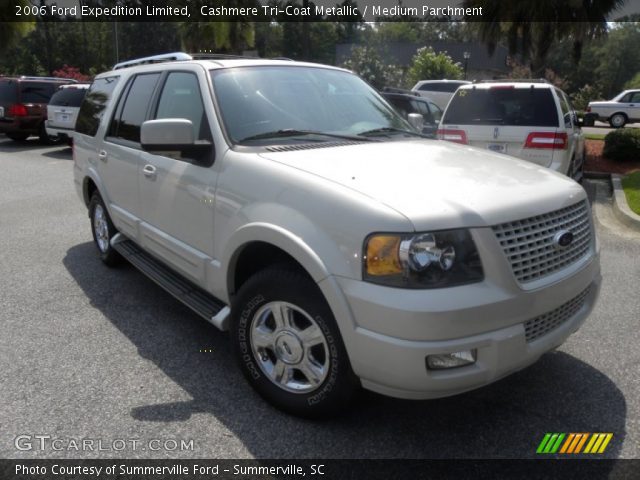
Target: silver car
(289, 204)
(62, 110)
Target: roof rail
(514, 80)
(182, 56)
(165, 57)
(218, 56)
(400, 90)
(55, 79)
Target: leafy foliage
(429, 65)
(622, 144)
(71, 72)
(368, 65)
(584, 95)
(634, 82)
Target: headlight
(422, 260)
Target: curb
(620, 206)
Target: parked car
(23, 105)
(529, 119)
(438, 91)
(622, 109)
(62, 110)
(406, 102)
(288, 203)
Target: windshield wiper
(392, 130)
(292, 132)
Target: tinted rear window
(94, 104)
(503, 106)
(441, 87)
(36, 92)
(68, 97)
(8, 91)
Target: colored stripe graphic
(573, 443)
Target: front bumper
(394, 330)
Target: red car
(23, 105)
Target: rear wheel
(103, 231)
(618, 120)
(18, 137)
(288, 344)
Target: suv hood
(437, 184)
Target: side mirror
(417, 121)
(169, 136)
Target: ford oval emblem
(562, 239)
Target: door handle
(149, 171)
(103, 155)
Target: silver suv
(290, 204)
(528, 119)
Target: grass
(631, 187)
(595, 136)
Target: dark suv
(23, 105)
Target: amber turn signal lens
(382, 255)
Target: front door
(177, 193)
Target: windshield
(257, 101)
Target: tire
(618, 120)
(18, 137)
(103, 231)
(271, 315)
(577, 172)
(45, 138)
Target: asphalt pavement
(92, 353)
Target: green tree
(532, 27)
(634, 82)
(429, 65)
(368, 65)
(12, 31)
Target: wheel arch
(257, 246)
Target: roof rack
(54, 79)
(182, 57)
(400, 90)
(514, 80)
(165, 57)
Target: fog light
(451, 360)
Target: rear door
(120, 153)
(633, 106)
(521, 121)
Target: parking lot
(88, 352)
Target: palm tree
(531, 27)
(12, 31)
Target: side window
(436, 111)
(626, 98)
(181, 98)
(126, 124)
(635, 97)
(94, 104)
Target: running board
(207, 306)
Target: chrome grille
(529, 245)
(540, 326)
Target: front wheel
(103, 231)
(288, 344)
(617, 120)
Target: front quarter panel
(319, 223)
